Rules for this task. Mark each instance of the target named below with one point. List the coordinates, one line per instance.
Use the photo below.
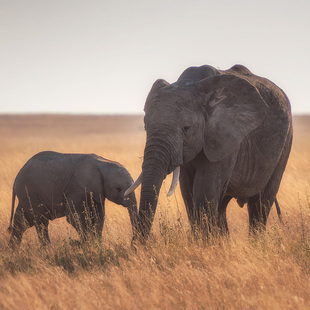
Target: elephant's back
(46, 162)
(51, 156)
(273, 95)
(44, 174)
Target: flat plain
(172, 270)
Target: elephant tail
(278, 209)
(10, 229)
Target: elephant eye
(186, 129)
(119, 189)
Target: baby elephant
(52, 185)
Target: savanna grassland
(171, 271)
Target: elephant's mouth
(174, 163)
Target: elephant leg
(41, 224)
(206, 214)
(76, 217)
(94, 218)
(98, 219)
(205, 206)
(94, 214)
(222, 219)
(194, 196)
(260, 205)
(85, 217)
(186, 185)
(206, 201)
(209, 193)
(22, 221)
(212, 216)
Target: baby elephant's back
(45, 176)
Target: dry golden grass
(171, 271)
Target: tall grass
(173, 269)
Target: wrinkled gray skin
(229, 131)
(52, 185)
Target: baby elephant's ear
(89, 177)
(233, 108)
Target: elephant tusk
(175, 180)
(134, 185)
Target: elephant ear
(89, 178)
(233, 108)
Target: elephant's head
(108, 179)
(183, 119)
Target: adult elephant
(52, 185)
(225, 134)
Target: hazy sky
(102, 56)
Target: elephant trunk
(154, 170)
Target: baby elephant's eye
(119, 189)
(186, 129)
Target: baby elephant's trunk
(131, 205)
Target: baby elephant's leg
(41, 224)
(97, 219)
(22, 220)
(76, 217)
(87, 217)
